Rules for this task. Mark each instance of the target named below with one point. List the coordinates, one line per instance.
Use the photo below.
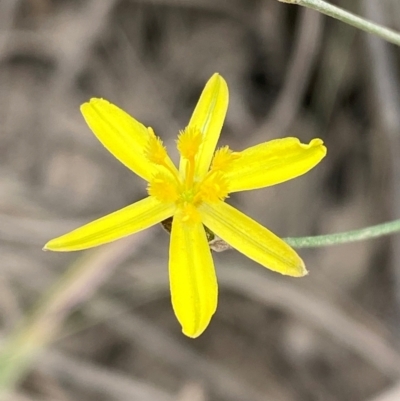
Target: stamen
(189, 142)
(223, 157)
(164, 187)
(155, 151)
(213, 188)
(189, 173)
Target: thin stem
(346, 237)
(349, 18)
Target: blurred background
(332, 336)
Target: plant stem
(349, 18)
(346, 237)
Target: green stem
(346, 237)
(349, 18)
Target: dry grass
(332, 336)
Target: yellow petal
(121, 134)
(194, 290)
(273, 162)
(251, 238)
(124, 222)
(208, 117)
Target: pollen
(163, 187)
(214, 187)
(155, 151)
(223, 157)
(189, 142)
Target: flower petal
(121, 134)
(251, 238)
(194, 291)
(273, 162)
(124, 222)
(208, 117)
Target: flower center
(186, 190)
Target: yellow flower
(194, 196)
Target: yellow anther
(163, 187)
(155, 151)
(189, 142)
(214, 187)
(223, 157)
